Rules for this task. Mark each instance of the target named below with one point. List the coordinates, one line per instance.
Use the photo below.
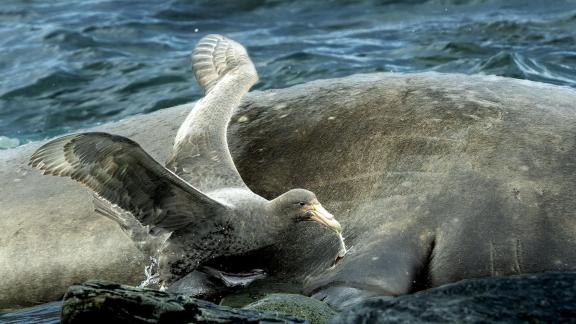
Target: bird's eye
(302, 204)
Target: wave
(69, 65)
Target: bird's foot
(242, 279)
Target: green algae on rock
(310, 309)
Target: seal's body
(434, 178)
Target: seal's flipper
(121, 172)
(225, 73)
(395, 266)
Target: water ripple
(68, 65)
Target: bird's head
(299, 205)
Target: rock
(537, 298)
(106, 302)
(310, 309)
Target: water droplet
(243, 119)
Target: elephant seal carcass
(434, 177)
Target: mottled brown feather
(120, 171)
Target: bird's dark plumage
(121, 172)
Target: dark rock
(537, 298)
(105, 302)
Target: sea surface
(44, 314)
(68, 64)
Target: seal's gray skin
(434, 177)
(198, 207)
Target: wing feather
(121, 172)
(225, 72)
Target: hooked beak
(322, 216)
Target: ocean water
(44, 314)
(68, 64)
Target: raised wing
(201, 156)
(120, 171)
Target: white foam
(152, 277)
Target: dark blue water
(68, 64)
(43, 314)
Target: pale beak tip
(322, 216)
(337, 228)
